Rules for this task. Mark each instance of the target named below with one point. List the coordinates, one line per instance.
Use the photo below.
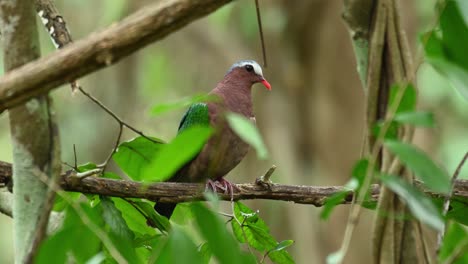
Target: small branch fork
(122, 124)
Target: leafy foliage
(420, 205)
(134, 156)
(445, 47)
(249, 228)
(425, 169)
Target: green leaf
(134, 219)
(120, 235)
(87, 167)
(391, 133)
(205, 252)
(420, 205)
(335, 257)
(282, 245)
(178, 152)
(458, 209)
(113, 218)
(182, 103)
(423, 119)
(57, 247)
(256, 233)
(161, 222)
(331, 202)
(407, 102)
(221, 243)
(111, 175)
(134, 156)
(456, 239)
(445, 50)
(248, 132)
(61, 204)
(433, 176)
(179, 249)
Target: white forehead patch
(255, 65)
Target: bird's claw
(223, 185)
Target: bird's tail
(165, 209)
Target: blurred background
(312, 120)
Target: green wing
(197, 114)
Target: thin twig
(260, 30)
(75, 158)
(440, 235)
(118, 119)
(268, 174)
(114, 149)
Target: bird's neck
(236, 95)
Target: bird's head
(248, 70)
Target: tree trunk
(33, 134)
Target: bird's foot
(221, 184)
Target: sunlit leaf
(445, 50)
(205, 252)
(86, 167)
(248, 132)
(282, 245)
(455, 244)
(178, 152)
(420, 205)
(433, 176)
(423, 119)
(134, 156)
(335, 257)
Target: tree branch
(169, 192)
(56, 27)
(101, 49)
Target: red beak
(266, 83)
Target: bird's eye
(249, 67)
